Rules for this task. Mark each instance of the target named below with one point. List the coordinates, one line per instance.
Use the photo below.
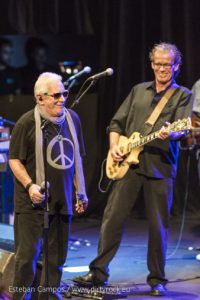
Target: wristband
(27, 187)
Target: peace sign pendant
(59, 138)
(62, 160)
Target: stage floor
(128, 269)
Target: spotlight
(70, 67)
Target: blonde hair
(166, 47)
(43, 81)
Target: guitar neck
(179, 125)
(146, 139)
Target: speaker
(7, 263)
(7, 267)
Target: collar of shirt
(158, 96)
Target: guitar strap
(159, 107)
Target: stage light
(68, 71)
(198, 257)
(70, 67)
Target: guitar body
(117, 170)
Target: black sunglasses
(58, 95)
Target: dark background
(117, 34)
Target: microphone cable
(79, 95)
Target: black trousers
(28, 231)
(158, 199)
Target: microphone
(107, 72)
(83, 71)
(42, 188)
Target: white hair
(44, 80)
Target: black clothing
(120, 203)
(29, 220)
(22, 147)
(28, 232)
(155, 174)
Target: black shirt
(60, 162)
(159, 158)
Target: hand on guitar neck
(165, 132)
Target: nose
(62, 99)
(162, 67)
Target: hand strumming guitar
(116, 153)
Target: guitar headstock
(184, 124)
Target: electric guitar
(132, 146)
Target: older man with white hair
(64, 144)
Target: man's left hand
(165, 133)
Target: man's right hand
(116, 154)
(35, 195)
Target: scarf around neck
(79, 181)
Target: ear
(39, 99)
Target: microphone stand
(71, 84)
(46, 210)
(79, 96)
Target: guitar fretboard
(146, 139)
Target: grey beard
(54, 120)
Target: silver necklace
(59, 136)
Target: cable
(184, 208)
(79, 95)
(101, 177)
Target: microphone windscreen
(109, 71)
